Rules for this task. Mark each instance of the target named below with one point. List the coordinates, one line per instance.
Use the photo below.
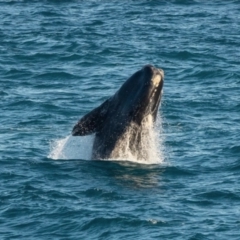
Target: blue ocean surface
(61, 59)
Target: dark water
(60, 59)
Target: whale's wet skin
(123, 124)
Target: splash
(141, 144)
(148, 150)
(71, 148)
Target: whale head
(137, 98)
(140, 95)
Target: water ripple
(61, 59)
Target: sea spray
(71, 148)
(142, 144)
(149, 150)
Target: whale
(122, 124)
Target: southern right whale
(123, 122)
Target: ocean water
(61, 59)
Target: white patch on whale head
(156, 80)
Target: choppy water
(59, 60)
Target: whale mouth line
(161, 72)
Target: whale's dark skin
(137, 99)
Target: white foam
(150, 152)
(150, 148)
(71, 148)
